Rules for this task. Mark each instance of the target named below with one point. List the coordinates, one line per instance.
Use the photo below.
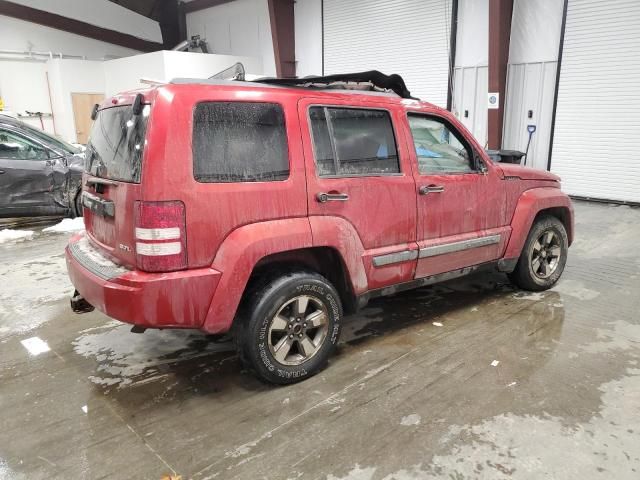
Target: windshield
(116, 143)
(50, 140)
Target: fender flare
(339, 234)
(238, 254)
(243, 248)
(530, 203)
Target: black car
(40, 175)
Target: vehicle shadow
(194, 364)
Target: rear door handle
(332, 197)
(2, 171)
(424, 190)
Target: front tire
(543, 256)
(289, 326)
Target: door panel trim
(458, 246)
(396, 257)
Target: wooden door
(82, 105)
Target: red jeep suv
(269, 208)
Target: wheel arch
(327, 261)
(531, 205)
(253, 249)
(561, 213)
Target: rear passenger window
(353, 141)
(239, 142)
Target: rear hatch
(113, 167)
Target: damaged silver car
(40, 175)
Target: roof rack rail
(376, 79)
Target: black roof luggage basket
(377, 80)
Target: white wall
(23, 86)
(23, 83)
(308, 37)
(470, 84)
(18, 35)
(199, 65)
(239, 28)
(531, 76)
(102, 13)
(72, 76)
(535, 31)
(472, 39)
(125, 73)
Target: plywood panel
(82, 105)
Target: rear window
(116, 143)
(239, 142)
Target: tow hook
(79, 304)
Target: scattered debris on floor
(495, 363)
(410, 420)
(437, 324)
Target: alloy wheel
(545, 254)
(298, 330)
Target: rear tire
(288, 326)
(77, 204)
(543, 256)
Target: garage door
(597, 134)
(408, 37)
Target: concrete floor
(415, 391)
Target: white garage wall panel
(470, 86)
(530, 88)
(597, 134)
(408, 37)
(239, 28)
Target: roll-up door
(408, 37)
(596, 145)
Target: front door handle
(2, 171)
(332, 197)
(425, 189)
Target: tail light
(161, 236)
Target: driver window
(439, 150)
(17, 147)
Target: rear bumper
(152, 300)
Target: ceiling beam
(70, 25)
(170, 16)
(196, 5)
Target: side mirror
(54, 156)
(480, 166)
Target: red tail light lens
(161, 236)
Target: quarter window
(17, 147)
(439, 149)
(239, 142)
(350, 141)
